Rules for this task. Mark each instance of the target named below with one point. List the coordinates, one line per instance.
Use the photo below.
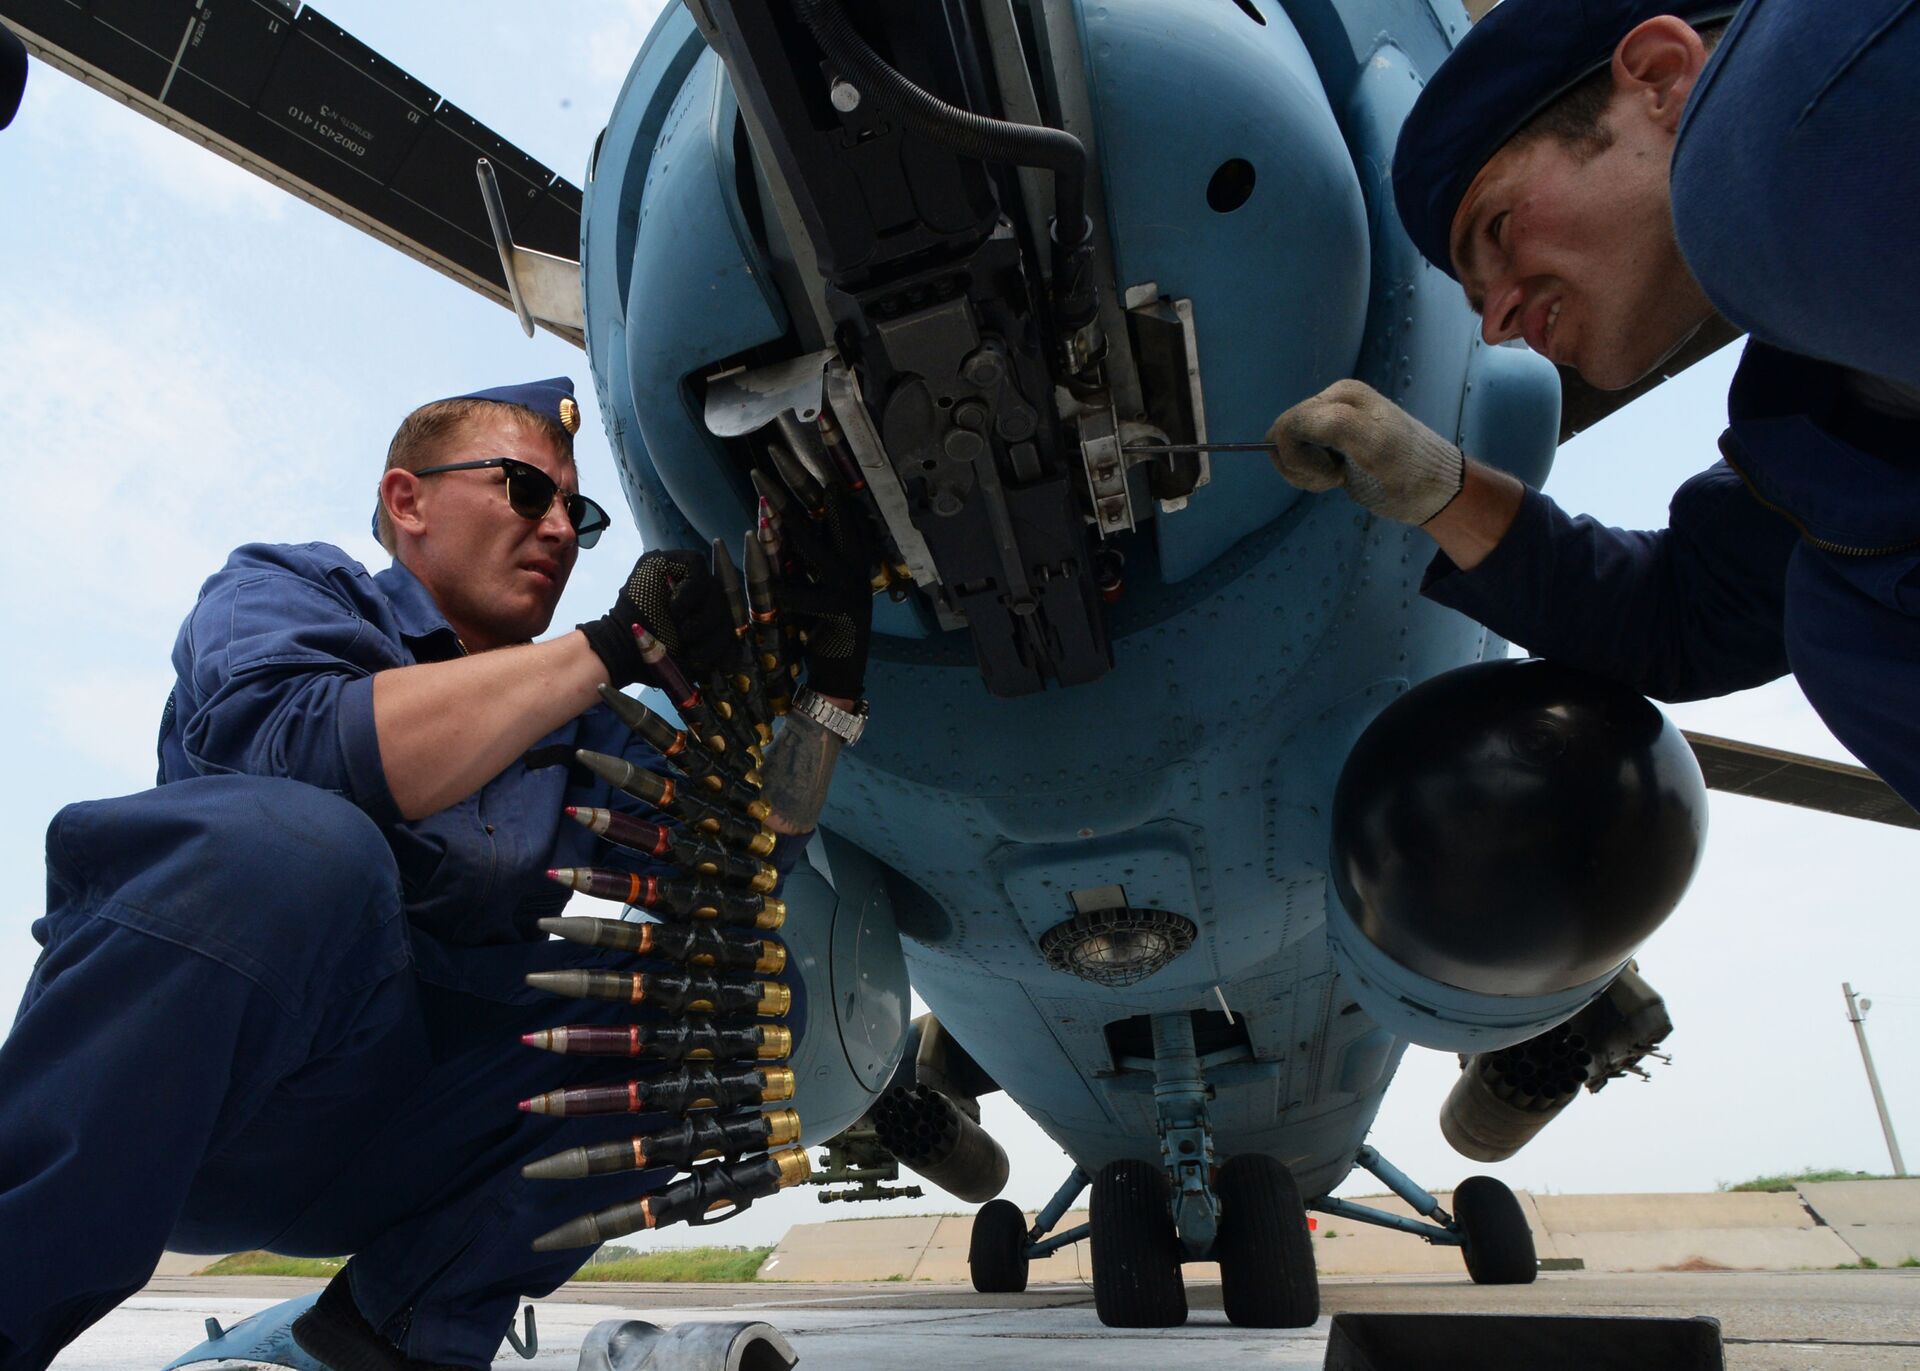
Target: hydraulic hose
(958, 130)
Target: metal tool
(1169, 449)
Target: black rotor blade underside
(1792, 778)
(295, 99)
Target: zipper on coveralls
(1838, 549)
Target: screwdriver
(1168, 449)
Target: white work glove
(1351, 435)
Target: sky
(190, 360)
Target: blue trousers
(233, 1039)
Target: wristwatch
(843, 724)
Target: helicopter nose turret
(1505, 836)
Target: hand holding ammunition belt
(711, 964)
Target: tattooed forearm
(796, 772)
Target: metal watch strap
(843, 724)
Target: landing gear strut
(1245, 1214)
(1490, 1225)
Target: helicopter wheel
(1499, 1241)
(1136, 1252)
(1267, 1277)
(997, 1256)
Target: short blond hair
(427, 435)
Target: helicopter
(1099, 808)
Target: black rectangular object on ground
(1522, 1342)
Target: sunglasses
(531, 492)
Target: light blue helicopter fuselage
(1250, 649)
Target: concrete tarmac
(1773, 1321)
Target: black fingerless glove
(674, 596)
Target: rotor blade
(298, 101)
(1582, 406)
(1792, 778)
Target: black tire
(997, 1256)
(1267, 1276)
(1499, 1241)
(1136, 1252)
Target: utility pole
(1857, 1015)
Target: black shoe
(335, 1333)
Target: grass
(612, 1263)
(273, 1264)
(1773, 1185)
(679, 1264)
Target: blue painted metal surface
(1186, 1137)
(1435, 1014)
(1266, 338)
(1070, 1190)
(1048, 1246)
(1267, 633)
(263, 1337)
(1401, 1184)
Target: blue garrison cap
(13, 74)
(1511, 65)
(552, 398)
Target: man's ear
(1657, 63)
(400, 492)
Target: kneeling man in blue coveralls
(1602, 176)
(280, 993)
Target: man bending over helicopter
(1602, 176)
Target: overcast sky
(190, 360)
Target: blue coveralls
(1796, 197)
(271, 1013)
